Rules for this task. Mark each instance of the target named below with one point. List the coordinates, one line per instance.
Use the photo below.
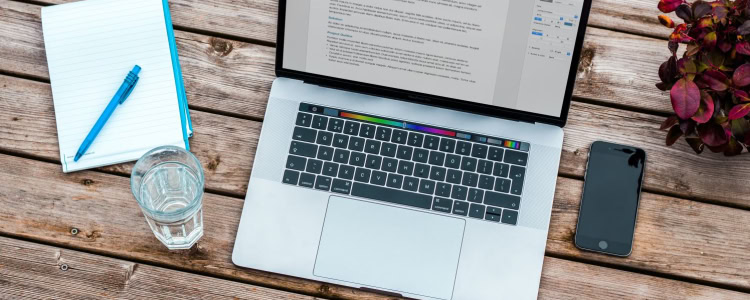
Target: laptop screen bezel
(427, 99)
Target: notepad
(91, 46)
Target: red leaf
(705, 110)
(739, 111)
(712, 134)
(743, 48)
(685, 98)
(668, 6)
(733, 148)
(741, 76)
(696, 144)
(669, 122)
(709, 40)
(716, 80)
(666, 21)
(673, 134)
(741, 95)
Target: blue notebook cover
(187, 125)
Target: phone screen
(606, 221)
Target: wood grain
(706, 242)
(34, 271)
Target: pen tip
(78, 156)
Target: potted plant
(709, 82)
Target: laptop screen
(513, 54)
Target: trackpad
(390, 248)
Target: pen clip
(127, 92)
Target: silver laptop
(412, 147)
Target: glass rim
(187, 210)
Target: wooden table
(81, 235)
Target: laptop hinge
(420, 99)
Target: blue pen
(125, 89)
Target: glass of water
(168, 183)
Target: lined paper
(91, 46)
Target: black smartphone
(611, 192)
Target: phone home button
(603, 245)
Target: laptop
(411, 147)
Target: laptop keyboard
(425, 167)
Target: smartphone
(609, 205)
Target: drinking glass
(168, 183)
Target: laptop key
(475, 195)
(454, 176)
(427, 187)
(486, 182)
(399, 136)
(346, 172)
(303, 149)
(484, 166)
(476, 211)
(502, 200)
(373, 162)
(356, 143)
(491, 217)
(405, 167)
(341, 156)
(314, 166)
(378, 177)
(436, 158)
(420, 155)
(517, 175)
(516, 157)
(295, 163)
(324, 138)
(323, 183)
(460, 208)
(340, 141)
(395, 181)
(437, 173)
(404, 152)
(383, 134)
(442, 205)
(389, 165)
(392, 195)
(362, 175)
(463, 148)
(341, 186)
(411, 184)
(494, 211)
(469, 164)
(422, 170)
(319, 122)
(479, 151)
(443, 189)
(470, 179)
(335, 125)
(330, 169)
(502, 185)
(510, 217)
(372, 147)
(325, 153)
(367, 131)
(431, 142)
(304, 134)
(304, 119)
(290, 177)
(351, 128)
(357, 159)
(447, 145)
(388, 150)
(459, 192)
(415, 139)
(307, 180)
(453, 161)
(501, 170)
(495, 154)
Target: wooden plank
(224, 145)
(231, 76)
(29, 270)
(676, 237)
(235, 17)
